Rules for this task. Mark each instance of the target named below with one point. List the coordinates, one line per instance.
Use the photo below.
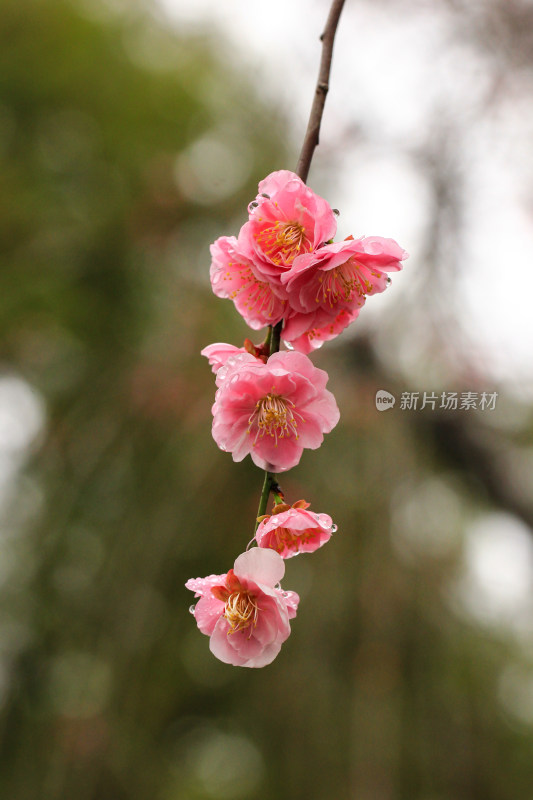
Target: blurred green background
(125, 149)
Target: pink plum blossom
(327, 288)
(272, 411)
(290, 221)
(234, 276)
(243, 613)
(292, 530)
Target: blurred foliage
(125, 149)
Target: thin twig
(322, 88)
(304, 162)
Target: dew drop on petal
(323, 522)
(191, 609)
(274, 520)
(288, 345)
(389, 281)
(334, 528)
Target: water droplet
(252, 205)
(264, 194)
(336, 211)
(223, 448)
(323, 522)
(389, 281)
(191, 609)
(216, 277)
(274, 520)
(285, 594)
(288, 345)
(334, 528)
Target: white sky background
(393, 74)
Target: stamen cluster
(273, 416)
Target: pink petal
(253, 566)
(291, 600)
(276, 181)
(221, 646)
(277, 457)
(217, 354)
(207, 612)
(202, 586)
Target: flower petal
(254, 566)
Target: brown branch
(308, 148)
(322, 87)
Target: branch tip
(322, 88)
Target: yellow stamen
(274, 415)
(283, 242)
(241, 611)
(341, 283)
(286, 539)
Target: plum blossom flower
(272, 411)
(217, 354)
(234, 276)
(327, 288)
(290, 530)
(287, 219)
(243, 613)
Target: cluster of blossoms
(284, 269)
(285, 266)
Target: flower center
(341, 283)
(274, 415)
(283, 242)
(286, 539)
(241, 611)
